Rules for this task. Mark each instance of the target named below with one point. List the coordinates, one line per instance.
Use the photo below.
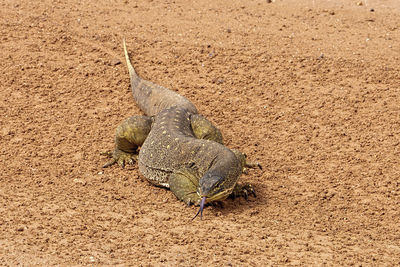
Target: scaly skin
(179, 148)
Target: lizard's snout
(208, 184)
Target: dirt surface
(311, 90)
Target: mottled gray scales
(182, 151)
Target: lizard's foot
(250, 165)
(120, 157)
(243, 191)
(242, 157)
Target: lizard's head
(213, 188)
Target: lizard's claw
(106, 153)
(120, 157)
(243, 191)
(109, 163)
(251, 165)
(254, 165)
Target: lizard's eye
(219, 182)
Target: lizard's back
(171, 146)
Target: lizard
(178, 148)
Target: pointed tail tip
(124, 43)
(131, 70)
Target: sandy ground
(311, 90)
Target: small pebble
(79, 181)
(115, 62)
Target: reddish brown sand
(310, 90)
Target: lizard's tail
(135, 79)
(153, 98)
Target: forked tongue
(203, 200)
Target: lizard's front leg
(183, 184)
(129, 135)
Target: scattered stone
(115, 62)
(218, 80)
(79, 181)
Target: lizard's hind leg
(129, 135)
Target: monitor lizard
(178, 148)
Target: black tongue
(203, 200)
